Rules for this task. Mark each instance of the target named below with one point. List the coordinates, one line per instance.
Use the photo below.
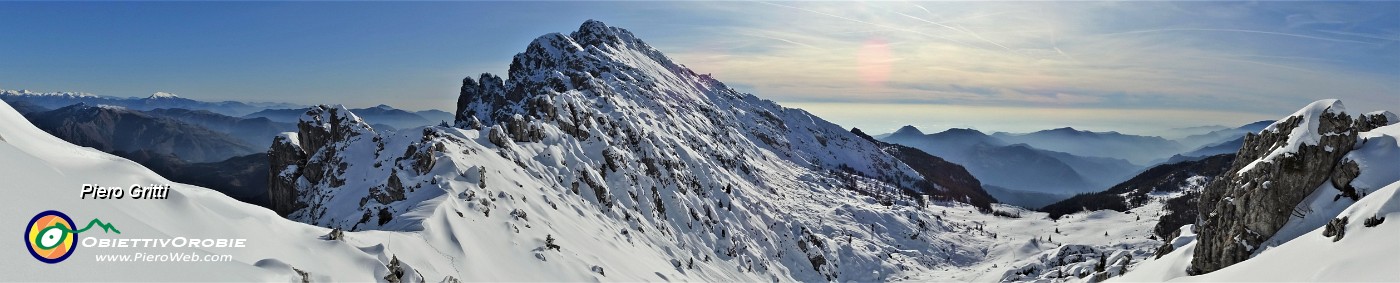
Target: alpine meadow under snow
(598, 158)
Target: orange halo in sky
(874, 62)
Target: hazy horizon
(1134, 67)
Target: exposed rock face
(1343, 174)
(488, 88)
(497, 136)
(1274, 171)
(285, 160)
(1335, 229)
(304, 162)
(396, 271)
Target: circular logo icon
(48, 236)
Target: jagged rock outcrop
(308, 164)
(285, 159)
(1335, 229)
(581, 84)
(1274, 171)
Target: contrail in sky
(785, 40)
(1371, 36)
(969, 32)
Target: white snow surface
(1030, 245)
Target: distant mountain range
(1134, 148)
(257, 132)
(1224, 141)
(112, 128)
(53, 100)
(1018, 173)
(379, 116)
(1223, 135)
(1179, 133)
(189, 146)
(953, 178)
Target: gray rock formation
(285, 159)
(312, 155)
(1274, 171)
(1336, 229)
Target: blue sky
(995, 66)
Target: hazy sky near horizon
(995, 66)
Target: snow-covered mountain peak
(1390, 117)
(162, 94)
(324, 124)
(615, 85)
(597, 136)
(1312, 113)
(1311, 125)
(596, 33)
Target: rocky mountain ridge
(1273, 173)
(598, 129)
